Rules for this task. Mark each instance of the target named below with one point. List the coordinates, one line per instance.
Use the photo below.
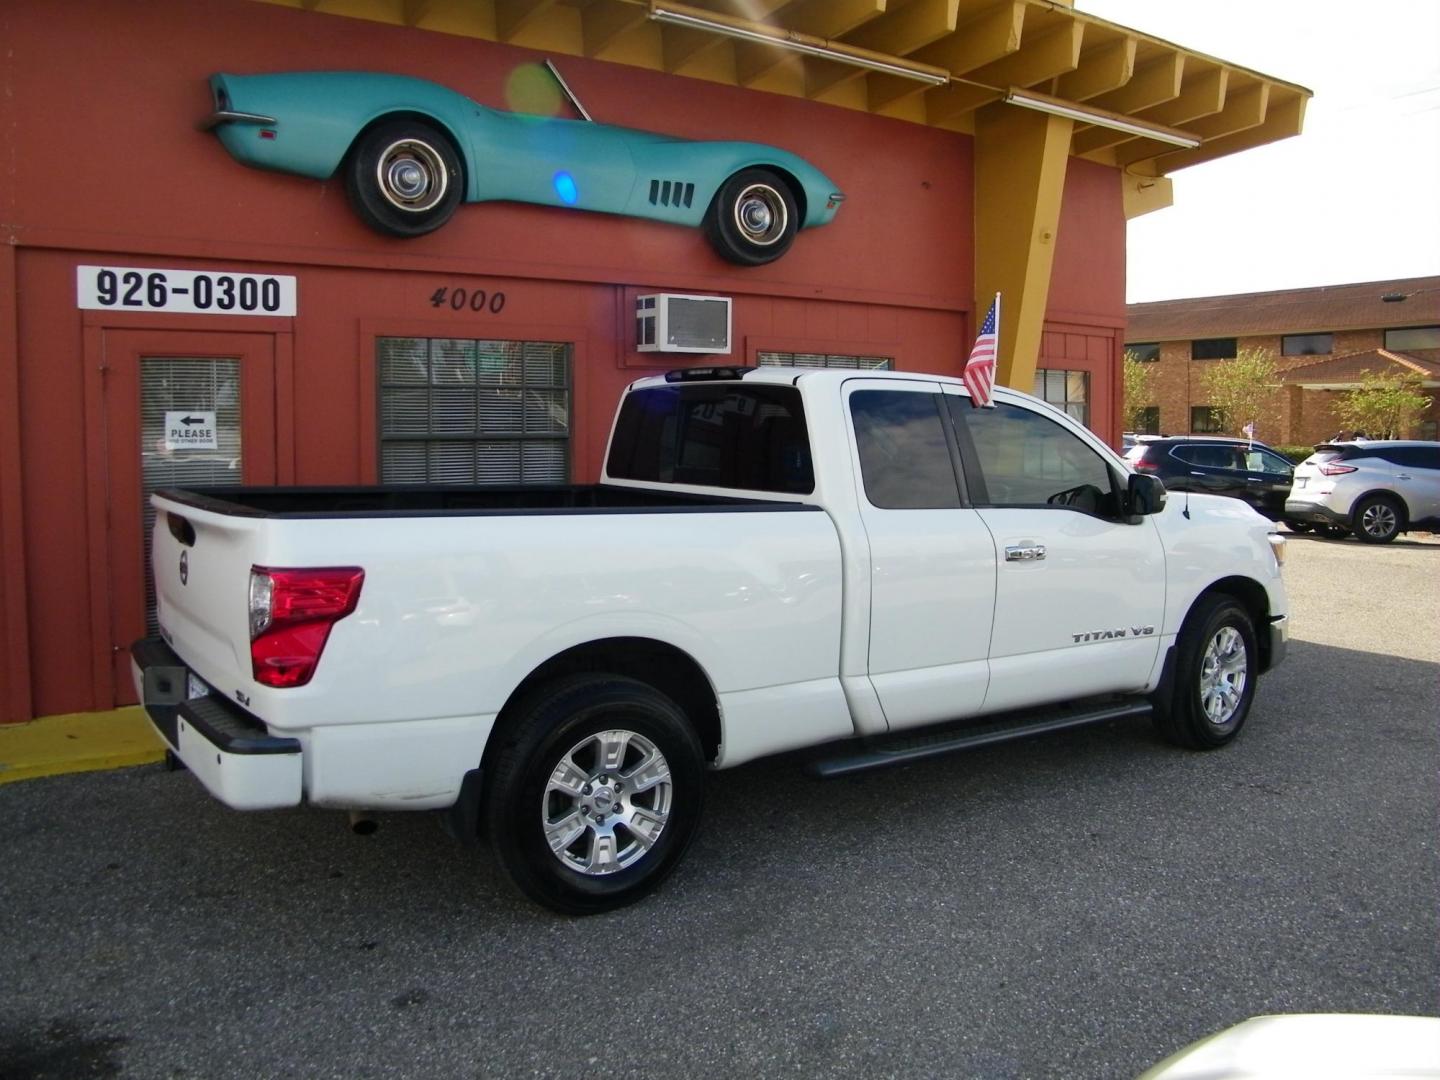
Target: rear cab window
(751, 438)
(905, 461)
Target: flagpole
(997, 331)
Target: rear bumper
(1315, 513)
(231, 752)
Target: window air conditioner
(673, 323)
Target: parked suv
(1377, 490)
(1217, 466)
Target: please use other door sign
(191, 429)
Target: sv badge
(184, 568)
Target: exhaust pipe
(362, 824)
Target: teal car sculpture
(411, 151)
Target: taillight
(1332, 469)
(1144, 466)
(291, 612)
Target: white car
(1377, 490)
(773, 559)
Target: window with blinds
(464, 411)
(826, 360)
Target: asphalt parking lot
(1075, 906)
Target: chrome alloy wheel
(1223, 671)
(607, 802)
(412, 175)
(1379, 520)
(761, 215)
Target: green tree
(1243, 390)
(1386, 406)
(1138, 387)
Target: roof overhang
(1139, 103)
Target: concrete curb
(77, 742)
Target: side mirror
(1145, 495)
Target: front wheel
(595, 794)
(1377, 519)
(403, 178)
(753, 218)
(1213, 683)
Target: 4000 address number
(130, 288)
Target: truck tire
(1216, 662)
(595, 793)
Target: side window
(1266, 462)
(1207, 455)
(1415, 457)
(1026, 459)
(904, 458)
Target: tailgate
(201, 562)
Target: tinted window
(1266, 462)
(1306, 344)
(751, 437)
(1144, 351)
(1415, 457)
(1216, 348)
(1025, 459)
(904, 459)
(1413, 337)
(1204, 419)
(1208, 455)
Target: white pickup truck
(859, 562)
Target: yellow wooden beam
(1202, 95)
(1145, 194)
(1283, 118)
(1054, 54)
(606, 21)
(832, 18)
(413, 11)
(822, 77)
(1152, 85)
(512, 16)
(1020, 160)
(945, 105)
(912, 27)
(982, 40)
(681, 46)
(1101, 70)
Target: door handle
(1402, 476)
(1024, 552)
(1194, 473)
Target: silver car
(1376, 490)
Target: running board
(887, 750)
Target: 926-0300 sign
(202, 292)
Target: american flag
(979, 374)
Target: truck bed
(433, 501)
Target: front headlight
(1277, 548)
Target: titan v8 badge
(184, 568)
(1107, 635)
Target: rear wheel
(595, 794)
(753, 218)
(1378, 519)
(403, 178)
(1213, 683)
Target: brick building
(1322, 339)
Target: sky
(1354, 197)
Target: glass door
(182, 409)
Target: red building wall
(104, 165)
